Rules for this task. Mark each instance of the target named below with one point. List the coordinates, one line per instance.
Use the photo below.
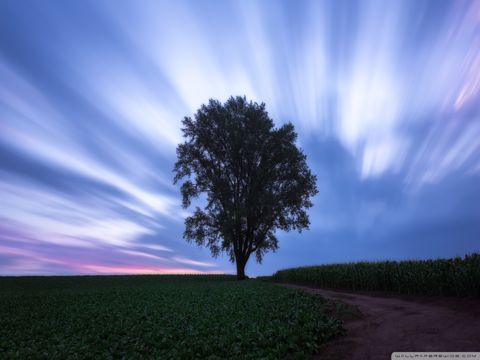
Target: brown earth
(385, 323)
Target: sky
(385, 97)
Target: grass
(449, 277)
(159, 317)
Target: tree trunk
(240, 268)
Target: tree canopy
(255, 178)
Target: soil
(384, 323)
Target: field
(446, 277)
(161, 317)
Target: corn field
(450, 277)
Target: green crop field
(450, 277)
(159, 317)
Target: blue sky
(385, 97)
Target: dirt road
(385, 324)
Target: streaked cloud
(183, 260)
(385, 97)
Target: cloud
(122, 270)
(183, 260)
(384, 97)
(156, 247)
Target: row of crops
(449, 277)
(159, 317)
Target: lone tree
(255, 179)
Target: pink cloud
(132, 269)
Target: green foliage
(256, 180)
(159, 317)
(450, 277)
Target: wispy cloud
(184, 260)
(385, 97)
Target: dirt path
(387, 324)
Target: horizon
(385, 99)
(232, 273)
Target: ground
(384, 323)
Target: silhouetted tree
(255, 178)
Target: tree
(255, 179)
